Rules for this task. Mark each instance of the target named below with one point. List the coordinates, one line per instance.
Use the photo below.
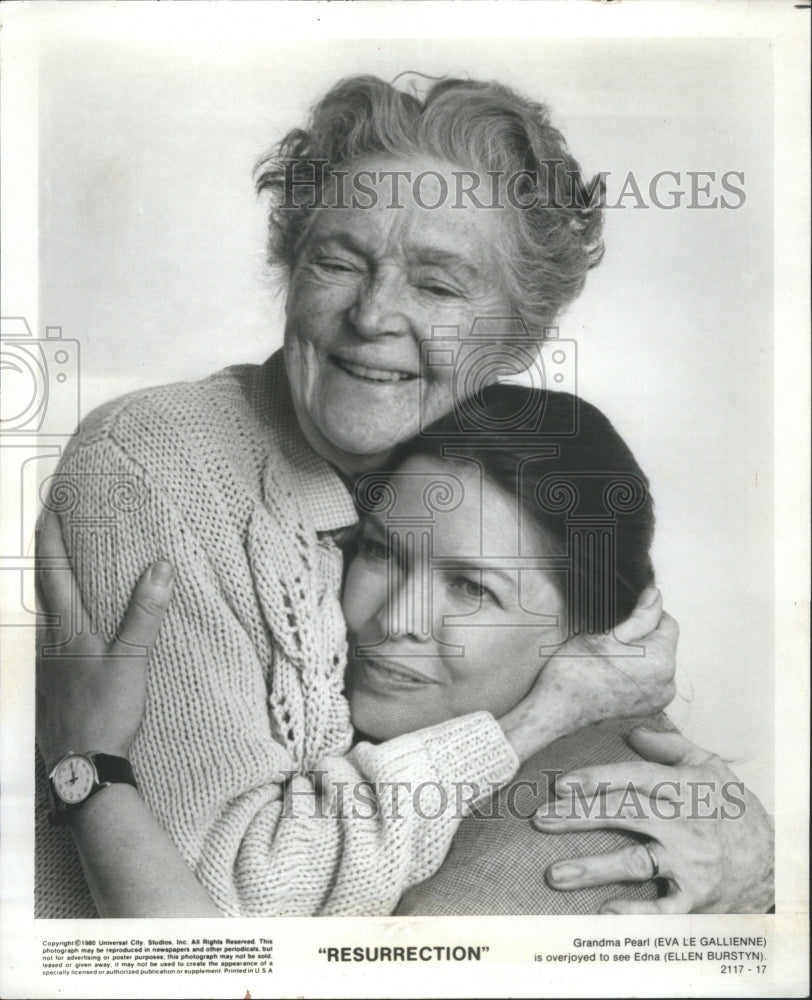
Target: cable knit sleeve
(244, 755)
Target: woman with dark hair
(550, 531)
(479, 554)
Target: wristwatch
(79, 775)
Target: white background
(152, 256)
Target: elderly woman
(242, 483)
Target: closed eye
(336, 264)
(440, 291)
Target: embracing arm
(131, 866)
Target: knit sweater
(245, 752)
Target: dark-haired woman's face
(447, 606)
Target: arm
(131, 866)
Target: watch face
(73, 780)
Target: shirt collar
(322, 493)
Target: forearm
(132, 867)
(535, 723)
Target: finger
(629, 804)
(668, 627)
(609, 816)
(644, 619)
(56, 587)
(640, 776)
(146, 610)
(676, 903)
(667, 748)
(630, 864)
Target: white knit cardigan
(245, 684)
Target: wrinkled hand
(712, 839)
(588, 674)
(90, 693)
(595, 677)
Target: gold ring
(655, 865)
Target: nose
(407, 611)
(380, 307)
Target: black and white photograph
(405, 492)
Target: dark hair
(577, 479)
(477, 125)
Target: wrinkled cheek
(302, 326)
(437, 400)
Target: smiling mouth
(371, 374)
(396, 675)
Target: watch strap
(113, 770)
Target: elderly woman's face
(368, 286)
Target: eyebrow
(486, 564)
(344, 239)
(423, 253)
(427, 254)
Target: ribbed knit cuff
(470, 750)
